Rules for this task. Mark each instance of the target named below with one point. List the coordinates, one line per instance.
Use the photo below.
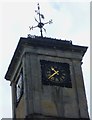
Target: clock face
(19, 87)
(55, 73)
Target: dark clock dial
(55, 73)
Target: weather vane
(40, 24)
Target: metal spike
(50, 21)
(36, 20)
(38, 6)
(35, 10)
(44, 29)
(42, 16)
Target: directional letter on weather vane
(40, 24)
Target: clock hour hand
(54, 70)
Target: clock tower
(46, 79)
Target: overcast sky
(71, 21)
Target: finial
(40, 24)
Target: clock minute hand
(56, 72)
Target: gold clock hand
(53, 74)
(54, 70)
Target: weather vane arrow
(40, 24)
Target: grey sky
(71, 21)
